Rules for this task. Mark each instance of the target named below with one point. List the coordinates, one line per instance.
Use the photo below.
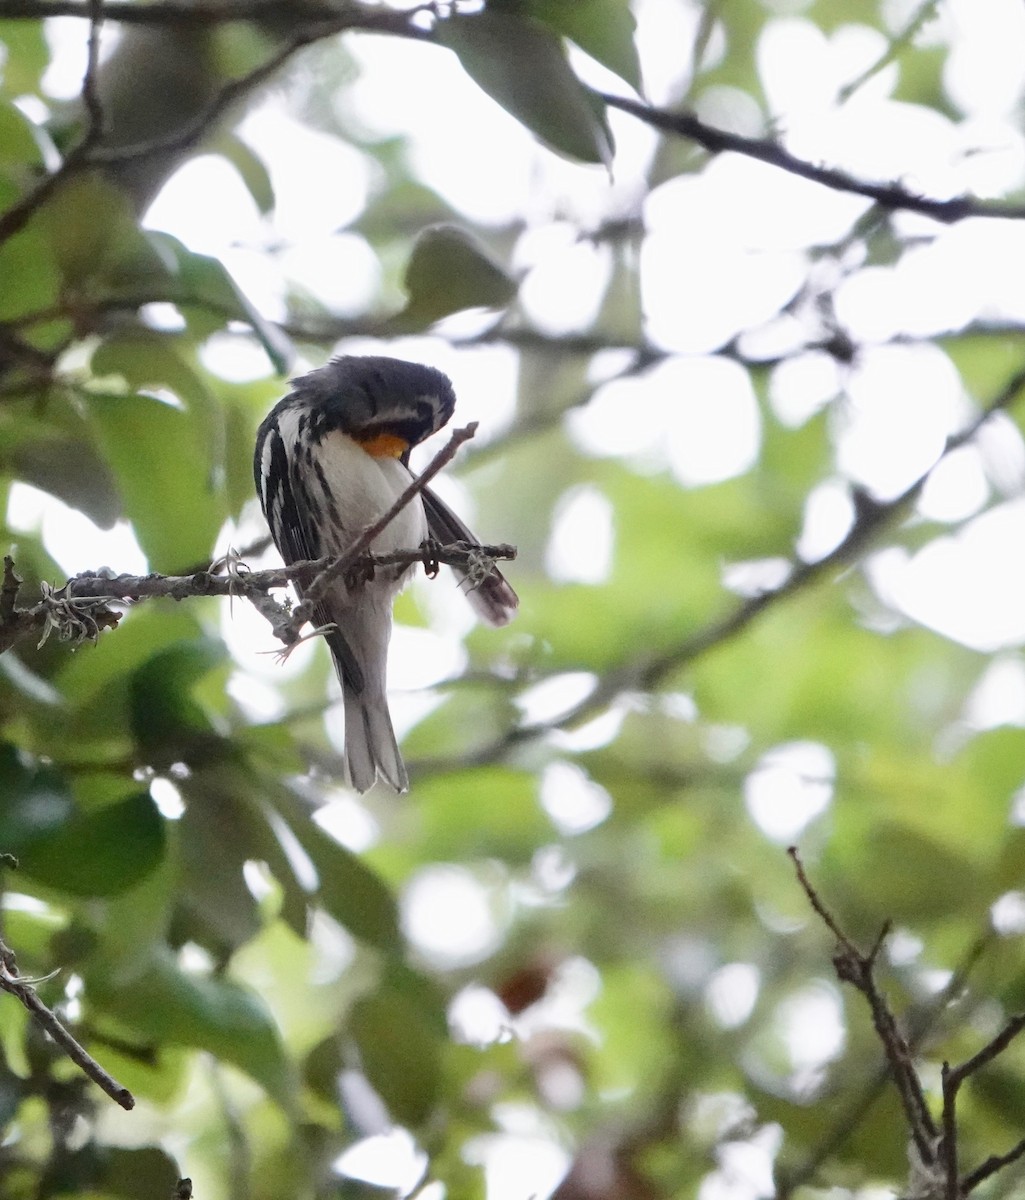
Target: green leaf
(19, 138)
(400, 1052)
(250, 167)
(64, 465)
(602, 28)
(162, 705)
(36, 801)
(102, 852)
(95, 235)
(448, 271)
(29, 271)
(168, 1005)
(205, 282)
(162, 461)
(522, 64)
(349, 890)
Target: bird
(331, 457)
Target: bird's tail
(359, 646)
(370, 745)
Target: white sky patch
(387, 1160)
(983, 73)
(1008, 914)
(477, 1016)
(449, 916)
(745, 1167)
(999, 696)
(288, 148)
(517, 1167)
(791, 785)
(716, 427)
(731, 994)
(183, 207)
(699, 289)
(572, 799)
(167, 798)
(564, 292)
(697, 415)
(828, 517)
(70, 537)
(342, 272)
(234, 359)
(903, 402)
(348, 822)
(580, 547)
(811, 1023)
(802, 385)
(547, 700)
(966, 586)
(957, 487)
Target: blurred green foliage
(267, 992)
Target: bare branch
(12, 983)
(890, 195)
(858, 969)
(80, 609)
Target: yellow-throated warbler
(331, 458)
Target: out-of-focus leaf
(400, 1053)
(131, 1173)
(66, 467)
(522, 64)
(449, 271)
(161, 458)
(163, 707)
(37, 802)
(101, 852)
(27, 57)
(19, 145)
(29, 270)
(491, 811)
(94, 234)
(168, 1005)
(249, 165)
(603, 28)
(349, 890)
(204, 282)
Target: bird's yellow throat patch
(384, 445)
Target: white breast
(363, 488)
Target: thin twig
(995, 1162)
(73, 607)
(890, 195)
(857, 969)
(22, 990)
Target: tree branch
(12, 983)
(80, 609)
(889, 195)
(871, 518)
(88, 154)
(858, 969)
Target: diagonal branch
(889, 195)
(22, 989)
